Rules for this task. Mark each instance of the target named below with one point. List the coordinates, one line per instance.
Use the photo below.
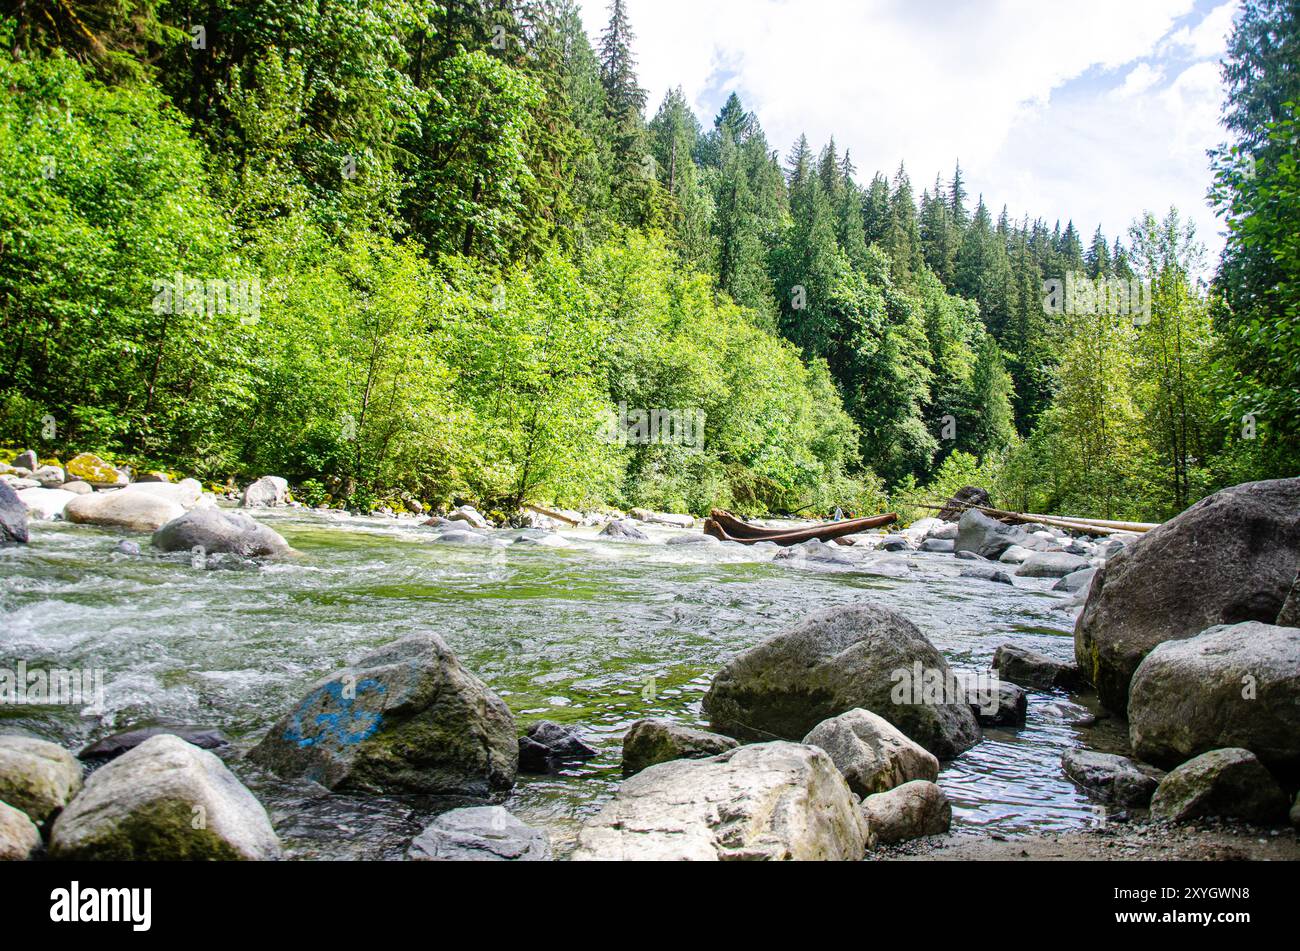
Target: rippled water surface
(598, 634)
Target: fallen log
(1076, 525)
(538, 510)
(726, 527)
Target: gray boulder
(470, 516)
(1015, 555)
(624, 529)
(480, 834)
(48, 503)
(1230, 782)
(1230, 558)
(1051, 564)
(164, 801)
(470, 539)
(835, 661)
(651, 742)
(939, 545)
(27, 460)
(1029, 668)
(220, 533)
(987, 573)
(1080, 580)
(968, 556)
(1008, 705)
(1115, 779)
(990, 538)
(111, 747)
(547, 743)
(1289, 616)
(50, 477)
(19, 837)
(1232, 686)
(13, 517)
(131, 511)
(910, 811)
(871, 752)
(266, 492)
(770, 802)
(37, 777)
(407, 718)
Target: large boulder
(266, 492)
(1229, 782)
(164, 801)
(218, 532)
(989, 538)
(909, 811)
(1029, 668)
(773, 802)
(1051, 564)
(843, 659)
(1229, 558)
(871, 752)
(188, 493)
(37, 777)
(1232, 686)
(650, 742)
(19, 837)
(624, 529)
(1111, 778)
(407, 718)
(548, 744)
(50, 477)
(13, 517)
(44, 503)
(132, 511)
(480, 834)
(111, 747)
(89, 468)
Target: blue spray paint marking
(348, 726)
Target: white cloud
(1018, 90)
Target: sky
(1093, 110)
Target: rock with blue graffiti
(407, 718)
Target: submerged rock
(37, 777)
(220, 533)
(1112, 778)
(1051, 564)
(1228, 559)
(1229, 782)
(624, 529)
(1232, 686)
(19, 837)
(770, 802)
(549, 743)
(987, 573)
(835, 661)
(165, 800)
(480, 834)
(407, 718)
(872, 753)
(1029, 668)
(910, 811)
(111, 747)
(13, 517)
(650, 742)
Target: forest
(395, 249)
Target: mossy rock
(88, 467)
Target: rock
(818, 552)
(50, 477)
(165, 800)
(132, 511)
(967, 496)
(922, 529)
(27, 460)
(1232, 686)
(154, 477)
(773, 802)
(19, 837)
(1029, 668)
(1229, 782)
(650, 742)
(896, 543)
(625, 530)
(701, 541)
(1009, 706)
(871, 752)
(1051, 564)
(937, 545)
(220, 533)
(543, 539)
(93, 470)
(13, 517)
(18, 484)
(47, 504)
(835, 661)
(1295, 812)
(910, 811)
(407, 718)
(548, 743)
(78, 488)
(266, 492)
(984, 573)
(988, 537)
(482, 834)
(469, 539)
(111, 747)
(1289, 616)
(1080, 580)
(469, 515)
(1015, 555)
(1115, 779)
(1230, 558)
(37, 777)
(969, 556)
(660, 518)
(128, 548)
(188, 493)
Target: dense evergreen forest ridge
(397, 247)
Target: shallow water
(599, 634)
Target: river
(599, 634)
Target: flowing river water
(598, 634)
